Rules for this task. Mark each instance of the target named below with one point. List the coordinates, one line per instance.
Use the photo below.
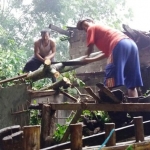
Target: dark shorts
(123, 67)
(33, 64)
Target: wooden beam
(127, 107)
(68, 95)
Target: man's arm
(53, 48)
(36, 51)
(89, 50)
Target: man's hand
(88, 60)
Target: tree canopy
(21, 25)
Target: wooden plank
(90, 91)
(68, 95)
(127, 107)
(37, 94)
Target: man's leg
(32, 65)
(132, 92)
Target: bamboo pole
(76, 136)
(31, 140)
(139, 129)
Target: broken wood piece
(73, 121)
(64, 82)
(108, 92)
(90, 91)
(68, 95)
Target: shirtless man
(44, 48)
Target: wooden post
(139, 129)
(47, 125)
(31, 139)
(76, 136)
(108, 129)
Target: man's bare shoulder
(37, 42)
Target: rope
(106, 140)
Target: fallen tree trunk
(55, 69)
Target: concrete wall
(78, 48)
(10, 99)
(13, 98)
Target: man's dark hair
(79, 23)
(45, 31)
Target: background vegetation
(21, 24)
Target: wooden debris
(108, 92)
(68, 95)
(90, 91)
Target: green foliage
(34, 120)
(60, 130)
(103, 116)
(130, 147)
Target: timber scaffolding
(36, 137)
(40, 137)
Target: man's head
(83, 24)
(45, 34)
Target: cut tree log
(55, 69)
(64, 82)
